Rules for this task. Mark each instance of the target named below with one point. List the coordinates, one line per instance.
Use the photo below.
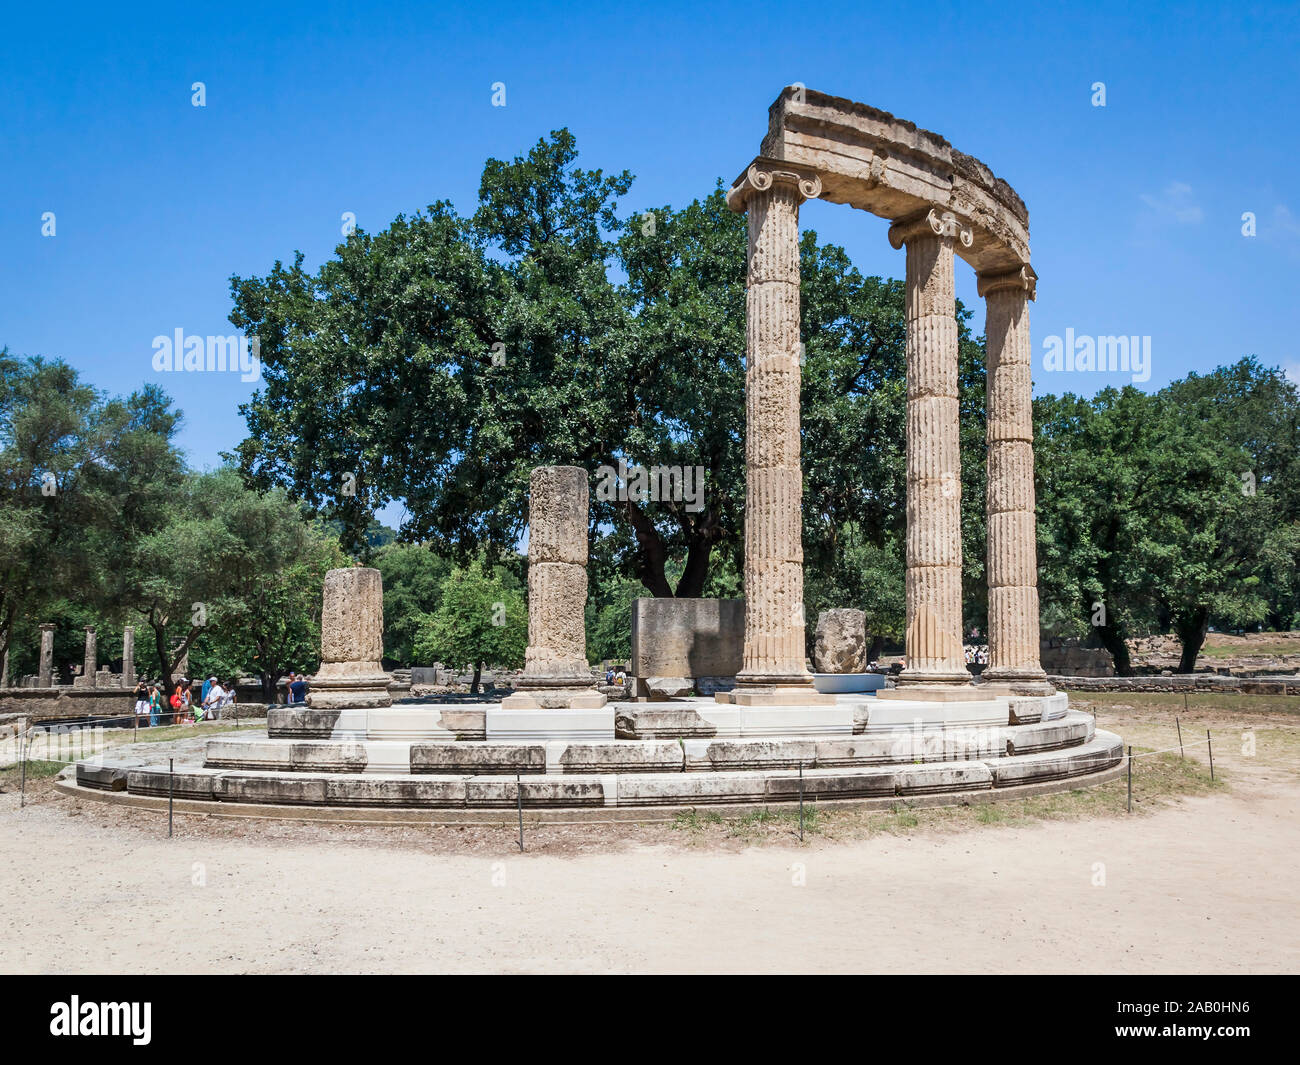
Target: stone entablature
(871, 160)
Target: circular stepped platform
(644, 755)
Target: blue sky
(317, 109)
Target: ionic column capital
(764, 174)
(931, 223)
(1022, 278)
(48, 627)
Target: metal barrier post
(23, 749)
(1130, 778)
(801, 802)
(1210, 744)
(171, 788)
(1180, 739)
(519, 798)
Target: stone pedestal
(1012, 537)
(46, 674)
(933, 583)
(773, 672)
(352, 643)
(556, 674)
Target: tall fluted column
(773, 668)
(556, 673)
(933, 583)
(1012, 536)
(46, 678)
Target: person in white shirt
(213, 703)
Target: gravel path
(1205, 885)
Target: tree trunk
(164, 666)
(702, 535)
(1113, 641)
(651, 551)
(478, 673)
(268, 686)
(877, 645)
(691, 585)
(1191, 629)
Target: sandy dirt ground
(1206, 884)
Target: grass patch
(1172, 702)
(1248, 650)
(1158, 781)
(12, 776)
(695, 822)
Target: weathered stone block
(841, 641)
(688, 637)
(478, 758)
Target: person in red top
(177, 701)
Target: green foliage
(548, 328)
(609, 622)
(1170, 510)
(241, 567)
(859, 574)
(481, 619)
(82, 476)
(413, 577)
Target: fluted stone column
(773, 670)
(1012, 535)
(351, 675)
(933, 582)
(46, 675)
(556, 673)
(128, 656)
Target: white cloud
(1175, 204)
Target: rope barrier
(1166, 750)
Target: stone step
(621, 789)
(693, 718)
(645, 756)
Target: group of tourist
(295, 689)
(183, 706)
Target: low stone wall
(54, 704)
(1182, 682)
(1068, 658)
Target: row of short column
(90, 661)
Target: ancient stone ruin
(941, 203)
(556, 674)
(352, 642)
(556, 743)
